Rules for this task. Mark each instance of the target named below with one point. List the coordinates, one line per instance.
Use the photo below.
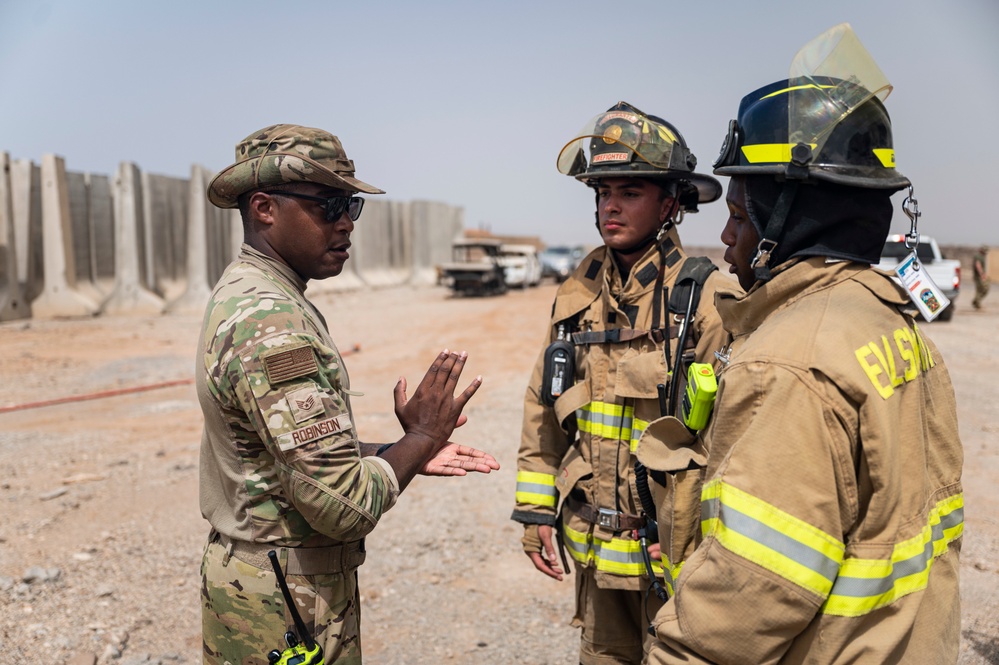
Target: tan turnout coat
(832, 507)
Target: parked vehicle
(559, 261)
(475, 268)
(521, 266)
(945, 273)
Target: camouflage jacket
(280, 459)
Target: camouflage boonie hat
(282, 154)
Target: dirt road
(99, 499)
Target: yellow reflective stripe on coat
(865, 585)
(671, 573)
(617, 555)
(611, 421)
(815, 560)
(536, 488)
(771, 538)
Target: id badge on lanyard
(926, 295)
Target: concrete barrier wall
(101, 220)
(435, 226)
(166, 199)
(83, 244)
(131, 292)
(13, 304)
(381, 244)
(26, 195)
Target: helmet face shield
(625, 142)
(827, 121)
(834, 75)
(616, 139)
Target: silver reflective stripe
(578, 548)
(535, 488)
(611, 421)
(771, 538)
(709, 508)
(863, 587)
(608, 554)
(608, 420)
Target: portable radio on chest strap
(559, 368)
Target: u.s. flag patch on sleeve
(289, 362)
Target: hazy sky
(470, 102)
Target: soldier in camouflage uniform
(281, 465)
(980, 263)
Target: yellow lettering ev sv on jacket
(914, 355)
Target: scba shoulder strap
(687, 286)
(684, 299)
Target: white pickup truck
(945, 273)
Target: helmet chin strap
(796, 173)
(647, 240)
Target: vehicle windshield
(474, 253)
(897, 250)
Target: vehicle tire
(947, 314)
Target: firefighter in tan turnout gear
(832, 507)
(603, 374)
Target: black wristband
(382, 448)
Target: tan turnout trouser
(614, 621)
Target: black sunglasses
(334, 206)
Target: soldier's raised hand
(434, 410)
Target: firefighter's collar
(742, 315)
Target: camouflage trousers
(615, 622)
(244, 617)
(981, 290)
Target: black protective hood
(825, 219)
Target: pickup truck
(945, 273)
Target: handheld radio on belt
(299, 652)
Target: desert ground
(101, 535)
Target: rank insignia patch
(305, 403)
(290, 362)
